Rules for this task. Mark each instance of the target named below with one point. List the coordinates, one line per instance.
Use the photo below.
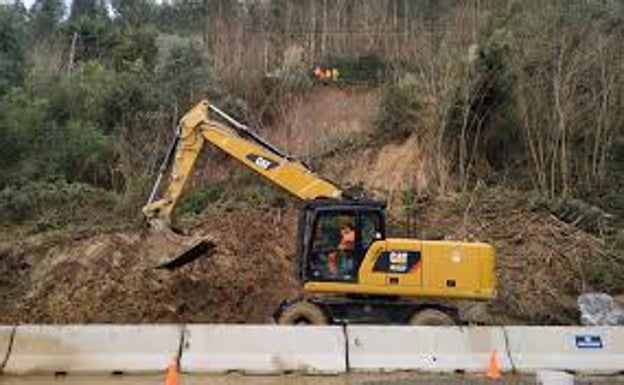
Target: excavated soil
(110, 277)
(386, 171)
(312, 121)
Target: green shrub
(368, 68)
(399, 114)
(12, 47)
(55, 127)
(605, 273)
(196, 200)
(583, 215)
(184, 74)
(82, 153)
(56, 204)
(134, 44)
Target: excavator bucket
(178, 250)
(199, 248)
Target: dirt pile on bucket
(110, 278)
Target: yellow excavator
(349, 271)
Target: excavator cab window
(371, 228)
(333, 246)
(338, 242)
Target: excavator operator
(340, 262)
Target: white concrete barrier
(5, 343)
(93, 349)
(425, 348)
(553, 377)
(579, 349)
(264, 349)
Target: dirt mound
(386, 171)
(333, 118)
(325, 113)
(109, 277)
(541, 265)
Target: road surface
(351, 379)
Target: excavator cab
(334, 236)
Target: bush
(399, 114)
(82, 153)
(55, 127)
(574, 211)
(12, 43)
(184, 74)
(369, 68)
(606, 272)
(56, 204)
(134, 44)
(196, 201)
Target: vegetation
(509, 111)
(525, 94)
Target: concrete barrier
(5, 343)
(552, 377)
(425, 348)
(264, 349)
(579, 349)
(93, 349)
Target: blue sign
(588, 342)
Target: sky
(28, 3)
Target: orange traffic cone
(494, 371)
(172, 373)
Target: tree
(12, 43)
(88, 8)
(90, 23)
(46, 14)
(133, 12)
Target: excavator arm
(242, 144)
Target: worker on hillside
(319, 74)
(341, 261)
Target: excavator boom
(242, 144)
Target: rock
(600, 309)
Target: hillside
(498, 121)
(543, 262)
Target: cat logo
(262, 162)
(398, 261)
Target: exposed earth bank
(543, 262)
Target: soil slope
(110, 277)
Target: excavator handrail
(246, 131)
(164, 165)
